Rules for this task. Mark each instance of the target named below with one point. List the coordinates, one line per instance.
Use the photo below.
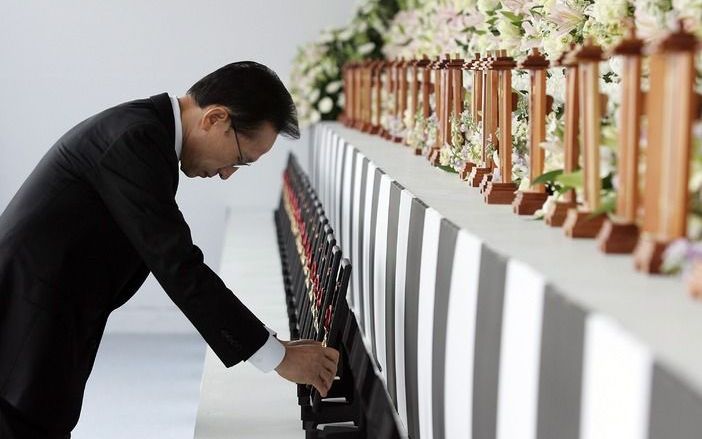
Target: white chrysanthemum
(608, 11)
(346, 34)
(365, 49)
(315, 116)
(314, 95)
(333, 87)
(325, 105)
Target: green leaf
(511, 16)
(572, 180)
(608, 204)
(548, 177)
(447, 169)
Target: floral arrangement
(315, 79)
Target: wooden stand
(346, 115)
(476, 103)
(376, 100)
(488, 120)
(529, 201)
(358, 98)
(442, 93)
(400, 95)
(424, 71)
(672, 80)
(502, 192)
(413, 96)
(390, 87)
(617, 237)
(556, 214)
(581, 222)
(367, 96)
(621, 232)
(466, 170)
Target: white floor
(143, 386)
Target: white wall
(63, 61)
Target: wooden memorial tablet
(413, 81)
(476, 102)
(556, 214)
(375, 103)
(349, 94)
(366, 96)
(424, 73)
(488, 120)
(583, 221)
(344, 116)
(435, 79)
(389, 105)
(620, 233)
(442, 94)
(669, 143)
(503, 191)
(401, 101)
(454, 105)
(358, 96)
(527, 202)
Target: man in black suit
(98, 213)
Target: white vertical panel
(520, 353)
(425, 320)
(329, 206)
(379, 271)
(346, 200)
(321, 164)
(460, 337)
(403, 225)
(337, 191)
(617, 371)
(370, 175)
(327, 170)
(356, 235)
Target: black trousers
(14, 426)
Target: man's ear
(213, 115)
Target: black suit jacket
(79, 238)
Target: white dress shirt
(271, 354)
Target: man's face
(211, 148)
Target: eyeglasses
(242, 162)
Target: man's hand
(308, 362)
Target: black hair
(253, 93)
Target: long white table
(241, 402)
(487, 324)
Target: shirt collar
(178, 126)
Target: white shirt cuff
(270, 355)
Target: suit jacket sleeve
(135, 180)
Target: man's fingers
(320, 386)
(327, 381)
(329, 366)
(332, 354)
(327, 377)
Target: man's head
(232, 117)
